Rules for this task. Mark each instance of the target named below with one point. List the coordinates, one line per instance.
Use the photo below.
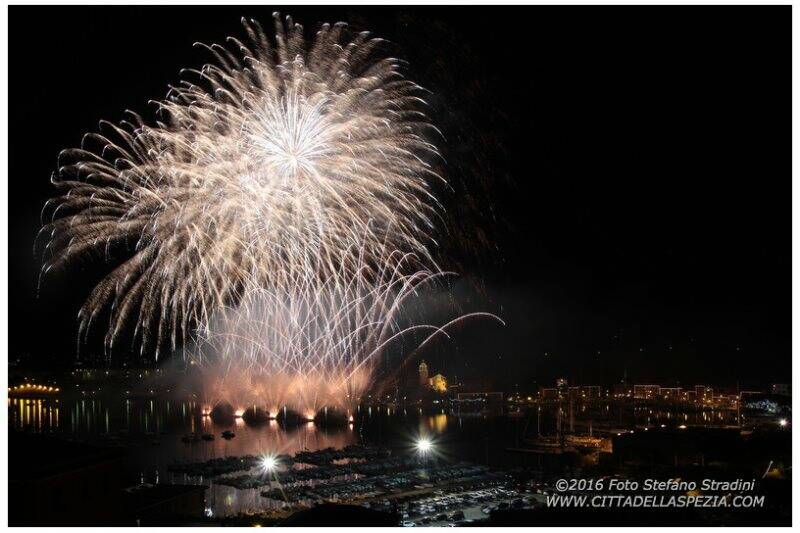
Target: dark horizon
(622, 175)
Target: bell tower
(423, 374)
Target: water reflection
(105, 418)
(158, 424)
(33, 414)
(435, 423)
(152, 430)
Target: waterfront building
(646, 392)
(670, 393)
(703, 393)
(423, 374)
(438, 383)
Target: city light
(32, 388)
(783, 422)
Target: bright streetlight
(268, 463)
(424, 445)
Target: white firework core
(284, 205)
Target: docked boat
(189, 439)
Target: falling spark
(310, 350)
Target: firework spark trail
(276, 219)
(316, 346)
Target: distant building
(585, 392)
(646, 392)
(423, 374)
(438, 383)
(729, 400)
(782, 389)
(703, 393)
(478, 402)
(670, 393)
(562, 387)
(496, 397)
(622, 390)
(750, 395)
(549, 394)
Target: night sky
(622, 175)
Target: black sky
(623, 174)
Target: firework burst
(281, 164)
